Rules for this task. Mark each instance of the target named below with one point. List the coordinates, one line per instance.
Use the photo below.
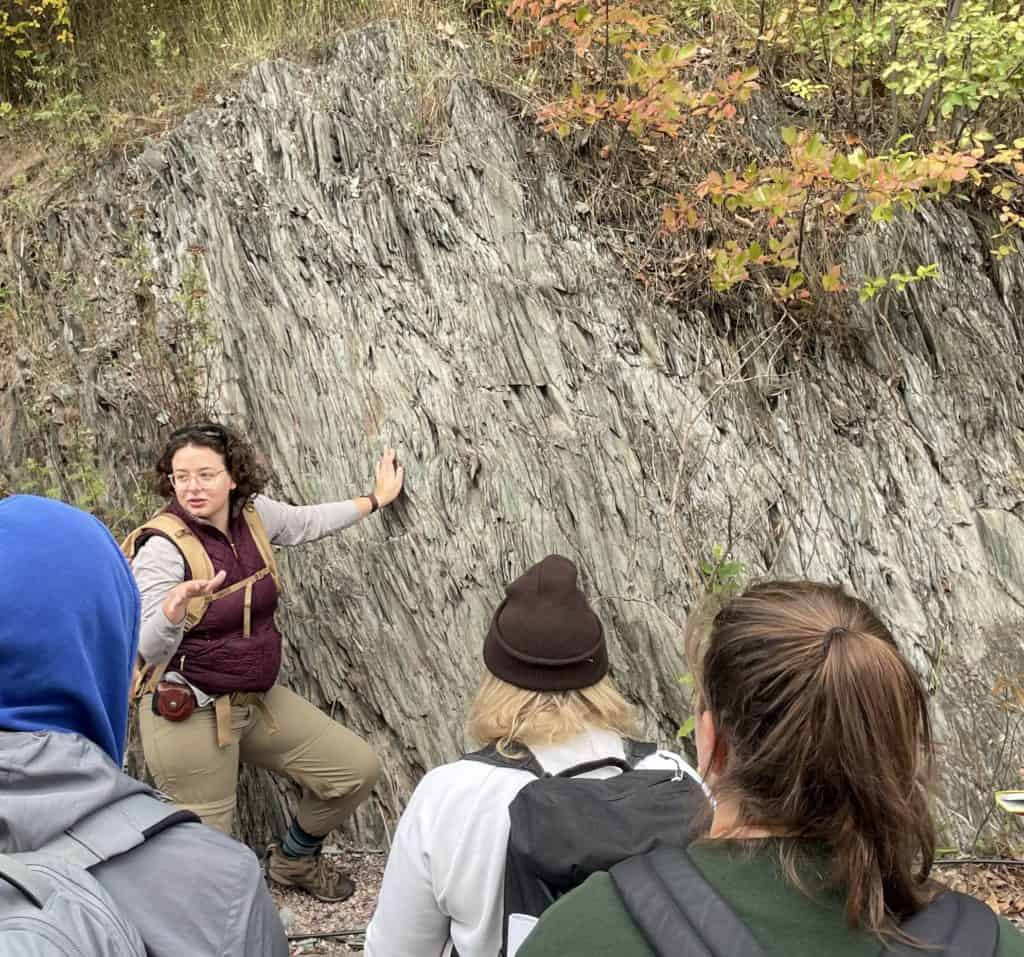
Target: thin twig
(607, 48)
(973, 115)
(330, 935)
(1008, 736)
(982, 861)
(934, 92)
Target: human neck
(220, 520)
(726, 825)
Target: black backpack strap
(677, 910)
(492, 756)
(952, 925)
(636, 751)
(577, 769)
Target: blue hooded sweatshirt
(69, 623)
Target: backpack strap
(259, 535)
(677, 910)
(23, 879)
(197, 562)
(114, 830)
(587, 766)
(954, 925)
(492, 756)
(682, 915)
(636, 750)
(198, 565)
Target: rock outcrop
(384, 255)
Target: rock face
(384, 257)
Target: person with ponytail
(813, 734)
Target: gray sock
(299, 843)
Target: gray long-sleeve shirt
(158, 565)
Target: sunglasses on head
(213, 431)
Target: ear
(712, 751)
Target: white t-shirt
(444, 879)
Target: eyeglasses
(204, 479)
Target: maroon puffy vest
(214, 655)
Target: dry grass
(137, 68)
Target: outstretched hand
(388, 479)
(178, 597)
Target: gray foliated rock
(384, 257)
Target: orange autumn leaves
(626, 76)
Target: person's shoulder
(273, 514)
(1011, 941)
(157, 544)
(204, 855)
(191, 889)
(466, 775)
(591, 921)
(155, 552)
(264, 505)
(202, 835)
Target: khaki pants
(335, 768)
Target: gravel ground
(303, 914)
(1001, 886)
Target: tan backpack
(144, 678)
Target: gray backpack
(51, 905)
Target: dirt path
(999, 886)
(302, 914)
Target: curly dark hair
(245, 465)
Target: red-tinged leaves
(652, 95)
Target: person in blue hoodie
(69, 627)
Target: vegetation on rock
(913, 102)
(736, 144)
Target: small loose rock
(302, 914)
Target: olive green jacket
(592, 921)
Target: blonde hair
(504, 715)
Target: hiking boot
(311, 874)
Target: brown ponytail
(827, 737)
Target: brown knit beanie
(544, 635)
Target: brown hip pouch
(173, 701)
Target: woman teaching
(211, 650)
